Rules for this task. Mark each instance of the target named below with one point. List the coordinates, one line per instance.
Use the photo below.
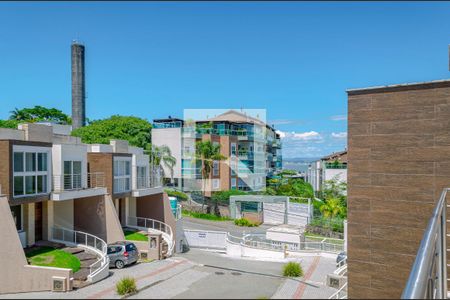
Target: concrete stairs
(86, 259)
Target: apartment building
(333, 166)
(55, 189)
(252, 149)
(398, 163)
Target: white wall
(340, 173)
(69, 152)
(63, 214)
(170, 137)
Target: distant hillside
(298, 163)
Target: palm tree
(20, 115)
(207, 153)
(161, 156)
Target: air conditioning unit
(59, 284)
(144, 254)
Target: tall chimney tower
(78, 87)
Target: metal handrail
(428, 277)
(341, 290)
(165, 229)
(86, 240)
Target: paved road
(202, 274)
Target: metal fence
(428, 277)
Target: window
(72, 175)
(30, 162)
(130, 247)
(233, 183)
(42, 162)
(18, 161)
(30, 172)
(249, 206)
(233, 149)
(215, 168)
(216, 184)
(16, 212)
(122, 174)
(142, 177)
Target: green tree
(39, 114)
(332, 208)
(334, 188)
(207, 153)
(135, 130)
(161, 156)
(294, 187)
(223, 197)
(288, 172)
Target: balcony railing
(335, 166)
(70, 182)
(148, 182)
(122, 184)
(428, 277)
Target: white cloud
(310, 135)
(339, 118)
(285, 122)
(311, 143)
(339, 135)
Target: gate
(206, 239)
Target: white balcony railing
(97, 270)
(71, 182)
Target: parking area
(203, 274)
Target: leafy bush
(223, 197)
(292, 269)
(245, 223)
(9, 124)
(180, 195)
(204, 216)
(332, 224)
(126, 285)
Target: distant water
(298, 164)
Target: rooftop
(400, 87)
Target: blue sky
(153, 59)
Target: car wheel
(119, 264)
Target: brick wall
(102, 162)
(5, 168)
(399, 162)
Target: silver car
(122, 254)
